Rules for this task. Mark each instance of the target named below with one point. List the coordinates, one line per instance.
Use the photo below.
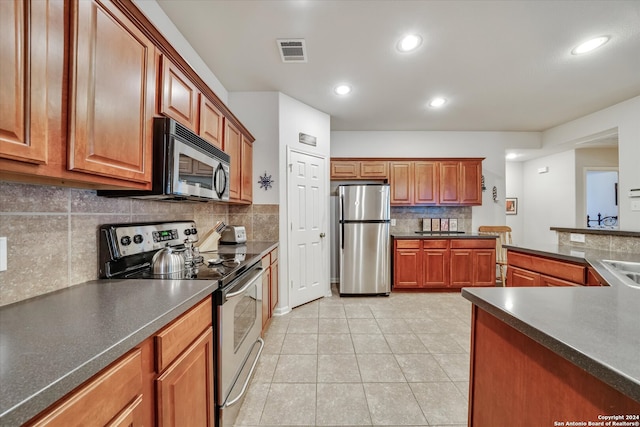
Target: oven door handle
(253, 278)
(246, 383)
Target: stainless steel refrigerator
(364, 220)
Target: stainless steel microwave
(185, 167)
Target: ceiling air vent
(292, 50)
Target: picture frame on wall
(511, 205)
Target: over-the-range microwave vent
(292, 50)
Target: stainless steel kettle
(167, 260)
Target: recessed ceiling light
(590, 45)
(342, 89)
(511, 156)
(437, 102)
(409, 42)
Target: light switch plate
(635, 205)
(576, 237)
(3, 254)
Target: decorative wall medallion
(265, 181)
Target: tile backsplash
(409, 218)
(52, 237)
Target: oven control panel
(138, 238)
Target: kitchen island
(550, 355)
(54, 343)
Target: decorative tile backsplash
(607, 242)
(409, 218)
(52, 232)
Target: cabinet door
(344, 169)
(401, 181)
(211, 122)
(24, 80)
(484, 264)
(185, 390)
(449, 182)
(470, 182)
(274, 286)
(461, 267)
(436, 268)
(246, 170)
(131, 416)
(425, 183)
(110, 129)
(519, 277)
(179, 96)
(407, 265)
(266, 291)
(233, 147)
(374, 169)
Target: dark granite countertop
(52, 343)
(596, 328)
(439, 235)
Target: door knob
(322, 235)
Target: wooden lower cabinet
(269, 287)
(112, 395)
(531, 270)
(516, 381)
(443, 263)
(185, 390)
(167, 380)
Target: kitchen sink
(628, 269)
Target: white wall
(515, 188)
(258, 111)
(548, 198)
(624, 116)
(490, 145)
(161, 21)
(295, 117)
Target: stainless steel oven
(238, 342)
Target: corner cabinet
(110, 131)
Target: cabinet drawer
(519, 260)
(552, 281)
(274, 255)
(473, 243)
(266, 261)
(408, 244)
(176, 338)
(435, 244)
(102, 398)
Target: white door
(309, 248)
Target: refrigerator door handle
(342, 221)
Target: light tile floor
(401, 360)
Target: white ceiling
(503, 65)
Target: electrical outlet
(393, 222)
(576, 237)
(635, 205)
(3, 254)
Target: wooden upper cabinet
(246, 170)
(233, 146)
(112, 79)
(374, 169)
(425, 183)
(180, 96)
(211, 123)
(449, 182)
(344, 169)
(471, 182)
(401, 181)
(31, 68)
